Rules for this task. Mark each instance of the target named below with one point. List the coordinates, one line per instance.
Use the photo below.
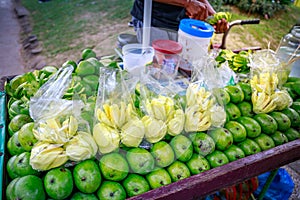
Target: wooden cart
(197, 186)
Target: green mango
(267, 123)
(10, 167)
(12, 86)
(92, 81)
(203, 144)
(217, 158)
(249, 147)
(246, 87)
(83, 196)
(234, 153)
(296, 106)
(58, 183)
(246, 108)
(293, 79)
(11, 188)
(279, 138)
(264, 141)
(14, 146)
(296, 87)
(70, 62)
(88, 53)
(48, 71)
(17, 122)
(291, 92)
(28, 187)
(97, 64)
(26, 136)
(85, 68)
(18, 107)
(283, 121)
(236, 93)
(251, 125)
(293, 115)
(292, 134)
(233, 111)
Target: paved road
(11, 62)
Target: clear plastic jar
(166, 57)
(289, 50)
(289, 46)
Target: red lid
(167, 46)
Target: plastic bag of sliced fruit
(59, 134)
(117, 121)
(268, 74)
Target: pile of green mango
(130, 171)
(293, 87)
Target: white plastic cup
(136, 57)
(194, 36)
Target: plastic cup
(136, 57)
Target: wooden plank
(232, 173)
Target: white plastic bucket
(194, 36)
(136, 57)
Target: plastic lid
(167, 46)
(196, 28)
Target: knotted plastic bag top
(47, 103)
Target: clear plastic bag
(55, 118)
(116, 119)
(267, 76)
(228, 76)
(161, 105)
(267, 61)
(47, 102)
(203, 108)
(61, 133)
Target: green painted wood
(2, 139)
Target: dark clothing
(163, 15)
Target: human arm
(194, 8)
(200, 10)
(222, 25)
(210, 9)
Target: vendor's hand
(221, 26)
(210, 9)
(196, 10)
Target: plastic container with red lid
(167, 57)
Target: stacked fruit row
(293, 87)
(257, 132)
(130, 171)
